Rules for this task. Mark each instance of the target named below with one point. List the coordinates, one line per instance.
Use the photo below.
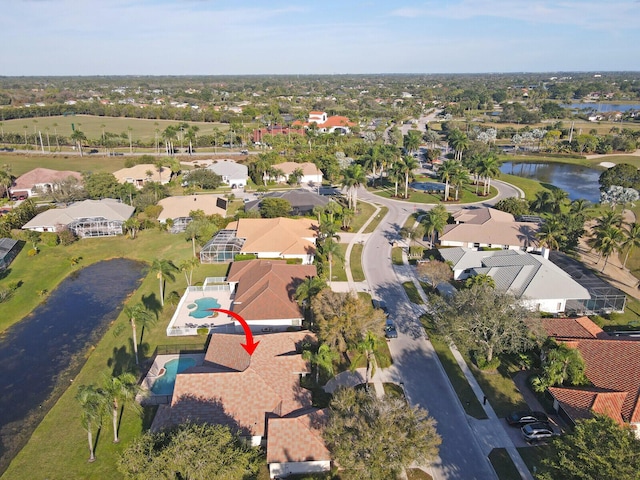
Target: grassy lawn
(393, 390)
(376, 221)
(533, 457)
(468, 399)
(396, 256)
(24, 163)
(499, 387)
(412, 293)
(528, 186)
(355, 262)
(338, 271)
(411, 220)
(365, 210)
(503, 465)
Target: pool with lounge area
(202, 307)
(161, 378)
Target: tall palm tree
(606, 241)
(459, 177)
(609, 218)
(92, 404)
(459, 142)
(366, 348)
(187, 267)
(331, 249)
(488, 168)
(6, 180)
(165, 269)
(352, 177)
(434, 222)
(55, 132)
(551, 234)
(407, 166)
(116, 392)
(394, 174)
(542, 201)
(445, 172)
(170, 134)
(138, 313)
(322, 359)
(558, 198)
(78, 137)
(631, 240)
(411, 141)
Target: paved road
(415, 362)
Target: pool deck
(159, 363)
(184, 324)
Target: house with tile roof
(489, 228)
(38, 180)
(140, 174)
(541, 284)
(302, 201)
(327, 124)
(89, 218)
(233, 173)
(612, 365)
(263, 293)
(178, 208)
(311, 174)
(248, 393)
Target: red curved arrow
(250, 347)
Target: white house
(311, 174)
(232, 173)
(541, 284)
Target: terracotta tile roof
(307, 168)
(266, 287)
(566, 328)
(269, 385)
(180, 206)
(39, 176)
(287, 236)
(140, 173)
(297, 438)
(582, 403)
(337, 121)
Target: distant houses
(140, 174)
(39, 181)
(325, 123)
(310, 173)
(233, 173)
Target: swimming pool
(164, 384)
(202, 307)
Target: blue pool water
(428, 186)
(203, 305)
(164, 385)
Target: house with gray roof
(541, 284)
(9, 248)
(89, 218)
(233, 173)
(302, 201)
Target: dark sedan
(524, 417)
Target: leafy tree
(203, 178)
(484, 320)
(101, 185)
(116, 392)
(92, 404)
(596, 449)
(435, 272)
(138, 313)
(322, 359)
(271, 207)
(189, 451)
(373, 438)
(343, 319)
(514, 206)
(622, 174)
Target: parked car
(535, 432)
(381, 304)
(524, 417)
(390, 330)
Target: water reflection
(576, 180)
(36, 350)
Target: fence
(180, 348)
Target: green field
(92, 126)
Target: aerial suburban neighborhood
(212, 273)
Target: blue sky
(215, 37)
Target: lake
(37, 352)
(603, 106)
(576, 180)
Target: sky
(233, 37)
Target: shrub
(66, 237)
(50, 239)
(5, 294)
(294, 261)
(203, 331)
(33, 252)
(244, 256)
(482, 363)
(416, 251)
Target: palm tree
(352, 177)
(78, 137)
(488, 168)
(116, 392)
(608, 241)
(165, 269)
(394, 174)
(55, 132)
(6, 180)
(138, 313)
(192, 136)
(187, 267)
(579, 206)
(459, 142)
(92, 404)
(459, 177)
(631, 241)
(323, 359)
(331, 249)
(435, 221)
(169, 134)
(366, 348)
(609, 218)
(309, 289)
(551, 234)
(542, 201)
(446, 171)
(411, 141)
(558, 198)
(407, 166)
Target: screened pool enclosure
(222, 248)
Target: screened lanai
(222, 248)
(96, 227)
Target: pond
(603, 106)
(36, 353)
(576, 180)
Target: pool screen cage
(222, 248)
(96, 227)
(180, 224)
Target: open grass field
(92, 126)
(20, 164)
